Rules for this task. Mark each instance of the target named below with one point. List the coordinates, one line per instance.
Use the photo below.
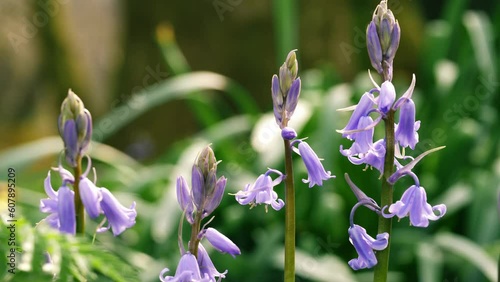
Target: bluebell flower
(187, 271)
(184, 198)
(406, 130)
(118, 216)
(261, 191)
(315, 170)
(285, 90)
(362, 109)
(66, 210)
(386, 97)
(91, 197)
(365, 246)
(288, 133)
(206, 190)
(374, 157)
(206, 265)
(219, 241)
(60, 206)
(75, 127)
(414, 204)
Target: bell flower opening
(365, 246)
(315, 170)
(414, 204)
(261, 191)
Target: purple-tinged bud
(220, 242)
(293, 98)
(184, 198)
(288, 133)
(373, 46)
(387, 97)
(385, 29)
(206, 161)
(75, 127)
(285, 89)
(213, 202)
(197, 186)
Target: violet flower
(118, 216)
(365, 246)
(207, 268)
(75, 127)
(60, 206)
(261, 191)
(220, 242)
(187, 271)
(406, 130)
(315, 170)
(285, 90)
(414, 204)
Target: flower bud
(75, 127)
(285, 90)
(383, 35)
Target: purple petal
(363, 108)
(288, 133)
(373, 46)
(91, 197)
(406, 131)
(363, 243)
(221, 242)
(197, 186)
(315, 169)
(119, 217)
(293, 97)
(206, 265)
(66, 210)
(184, 198)
(386, 97)
(216, 198)
(70, 138)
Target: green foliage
(457, 102)
(43, 254)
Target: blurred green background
(165, 78)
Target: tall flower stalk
(285, 90)
(383, 36)
(197, 203)
(67, 207)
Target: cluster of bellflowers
(197, 204)
(285, 90)
(383, 36)
(75, 128)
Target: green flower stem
(385, 224)
(80, 213)
(195, 230)
(289, 216)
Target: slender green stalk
(80, 213)
(385, 224)
(195, 230)
(289, 216)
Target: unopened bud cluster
(382, 39)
